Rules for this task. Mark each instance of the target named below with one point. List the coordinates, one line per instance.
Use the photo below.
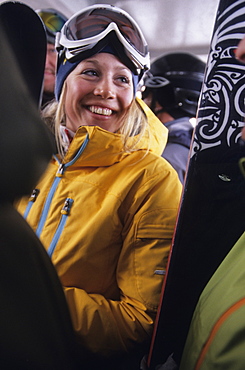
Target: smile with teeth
(100, 110)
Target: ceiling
(168, 25)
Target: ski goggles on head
(91, 25)
(53, 21)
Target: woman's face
(99, 93)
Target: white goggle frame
(74, 47)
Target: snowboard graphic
(211, 217)
(27, 37)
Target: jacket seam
(236, 306)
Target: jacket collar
(105, 148)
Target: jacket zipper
(65, 213)
(31, 201)
(55, 184)
(49, 199)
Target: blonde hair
(135, 125)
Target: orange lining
(216, 327)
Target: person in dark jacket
(53, 22)
(172, 89)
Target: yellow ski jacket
(106, 218)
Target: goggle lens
(52, 21)
(89, 24)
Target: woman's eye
(123, 79)
(90, 72)
(51, 51)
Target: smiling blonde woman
(106, 207)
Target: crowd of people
(172, 88)
(53, 21)
(106, 206)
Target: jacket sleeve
(108, 326)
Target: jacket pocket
(152, 244)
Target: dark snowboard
(26, 35)
(36, 329)
(211, 217)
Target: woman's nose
(105, 89)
